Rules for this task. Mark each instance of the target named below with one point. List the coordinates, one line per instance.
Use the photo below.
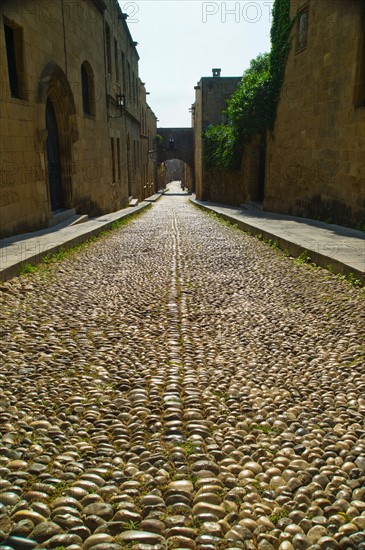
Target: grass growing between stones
(277, 517)
(27, 269)
(190, 447)
(351, 279)
(264, 429)
(270, 242)
(215, 216)
(304, 258)
(222, 220)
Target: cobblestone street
(179, 384)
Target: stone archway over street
(176, 143)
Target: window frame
(16, 65)
(116, 60)
(302, 11)
(133, 87)
(87, 89)
(108, 52)
(123, 83)
(129, 81)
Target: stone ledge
(20, 250)
(155, 197)
(61, 216)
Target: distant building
(211, 95)
(76, 130)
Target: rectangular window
(15, 59)
(108, 49)
(85, 90)
(302, 30)
(360, 77)
(118, 160)
(123, 72)
(113, 158)
(116, 60)
(129, 81)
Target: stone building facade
(211, 94)
(74, 117)
(148, 147)
(315, 163)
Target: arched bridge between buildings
(177, 143)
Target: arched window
(87, 89)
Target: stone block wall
(100, 150)
(315, 165)
(240, 186)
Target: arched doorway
(53, 158)
(56, 113)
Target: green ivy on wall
(280, 46)
(159, 139)
(221, 147)
(251, 110)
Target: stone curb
(155, 197)
(294, 249)
(59, 241)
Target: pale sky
(179, 41)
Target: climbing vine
(221, 147)
(280, 46)
(251, 110)
(159, 139)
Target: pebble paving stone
(180, 384)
